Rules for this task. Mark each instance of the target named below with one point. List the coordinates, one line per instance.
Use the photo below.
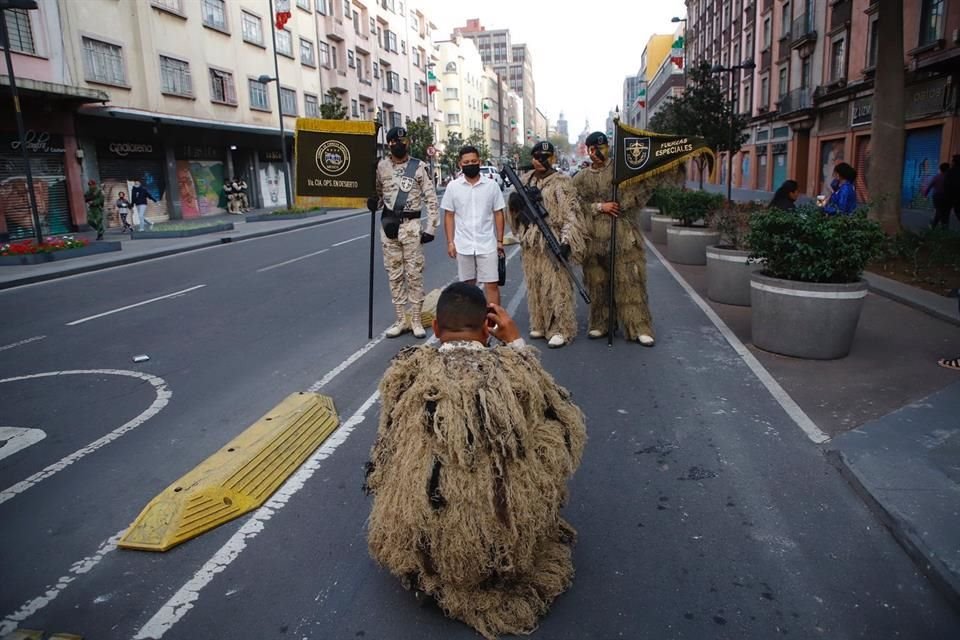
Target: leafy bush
(688, 206)
(810, 246)
(664, 196)
(733, 222)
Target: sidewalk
(139, 250)
(892, 413)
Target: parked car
(493, 173)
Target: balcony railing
(767, 5)
(840, 14)
(783, 47)
(803, 30)
(796, 100)
(766, 57)
(749, 15)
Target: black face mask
(471, 170)
(398, 150)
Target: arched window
(451, 67)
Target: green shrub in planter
(688, 207)
(809, 246)
(665, 198)
(733, 222)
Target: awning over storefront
(125, 113)
(51, 90)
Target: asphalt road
(703, 510)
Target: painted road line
(286, 262)
(138, 304)
(77, 569)
(792, 409)
(163, 397)
(13, 439)
(22, 342)
(183, 600)
(337, 244)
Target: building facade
(811, 95)
(657, 50)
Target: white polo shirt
(473, 206)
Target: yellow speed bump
(239, 477)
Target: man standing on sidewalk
(94, 199)
(473, 225)
(139, 196)
(403, 185)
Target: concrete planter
(40, 258)
(181, 233)
(645, 214)
(805, 319)
(658, 228)
(688, 245)
(728, 275)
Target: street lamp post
(676, 19)
(283, 141)
(746, 65)
(32, 197)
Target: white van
(493, 173)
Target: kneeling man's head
(461, 314)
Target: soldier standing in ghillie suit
(94, 199)
(469, 471)
(550, 298)
(594, 186)
(403, 185)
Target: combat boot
(416, 323)
(400, 326)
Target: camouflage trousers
(550, 301)
(95, 219)
(403, 259)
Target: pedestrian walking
(404, 186)
(785, 197)
(139, 196)
(473, 225)
(469, 471)
(952, 187)
(550, 301)
(95, 199)
(936, 190)
(242, 193)
(123, 210)
(594, 185)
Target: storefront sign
(199, 152)
(833, 119)
(926, 98)
(862, 112)
(270, 156)
(36, 142)
(127, 149)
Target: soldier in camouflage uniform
(594, 186)
(550, 297)
(94, 199)
(402, 255)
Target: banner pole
(373, 237)
(611, 303)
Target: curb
(160, 253)
(878, 286)
(925, 558)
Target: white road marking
(349, 217)
(138, 304)
(183, 600)
(22, 342)
(13, 439)
(79, 568)
(163, 397)
(515, 300)
(291, 261)
(337, 244)
(792, 409)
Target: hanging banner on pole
(336, 162)
(643, 154)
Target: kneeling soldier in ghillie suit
(404, 185)
(595, 189)
(469, 470)
(550, 300)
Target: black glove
(372, 203)
(425, 237)
(565, 251)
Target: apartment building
(462, 87)
(636, 88)
(503, 111)
(810, 97)
(667, 81)
(174, 96)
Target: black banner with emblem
(336, 162)
(642, 154)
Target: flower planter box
(728, 275)
(805, 319)
(645, 214)
(65, 254)
(266, 217)
(658, 228)
(688, 245)
(181, 233)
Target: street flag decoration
(336, 162)
(283, 13)
(513, 124)
(642, 97)
(676, 52)
(431, 82)
(643, 154)
(486, 109)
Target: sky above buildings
(581, 51)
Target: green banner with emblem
(336, 162)
(643, 154)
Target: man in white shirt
(473, 223)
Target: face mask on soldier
(398, 149)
